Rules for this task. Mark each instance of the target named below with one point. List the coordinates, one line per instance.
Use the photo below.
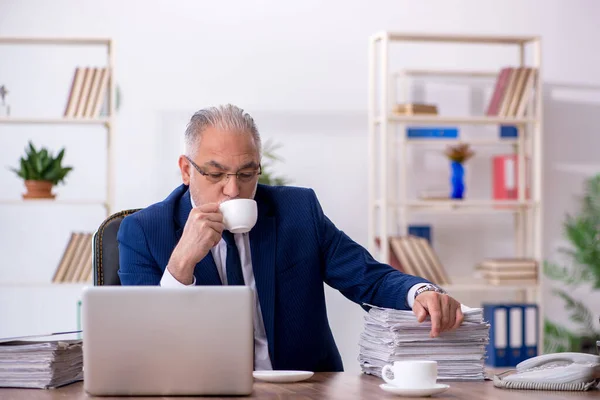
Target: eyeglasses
(245, 176)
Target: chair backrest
(106, 249)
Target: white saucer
(282, 376)
(414, 392)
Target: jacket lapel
(262, 247)
(206, 270)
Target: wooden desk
(341, 386)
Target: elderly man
(287, 256)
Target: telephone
(558, 371)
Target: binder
(532, 330)
(514, 332)
(423, 231)
(497, 348)
(516, 339)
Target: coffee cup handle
(385, 369)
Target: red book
(393, 261)
(506, 177)
(499, 90)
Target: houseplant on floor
(41, 172)
(583, 272)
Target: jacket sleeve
(136, 264)
(350, 268)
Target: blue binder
(514, 331)
(497, 348)
(508, 131)
(441, 132)
(423, 231)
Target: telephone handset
(558, 371)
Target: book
(74, 93)
(499, 91)
(508, 262)
(415, 109)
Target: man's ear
(184, 167)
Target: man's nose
(231, 188)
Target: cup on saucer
(412, 378)
(414, 374)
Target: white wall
(301, 69)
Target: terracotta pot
(38, 190)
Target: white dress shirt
(219, 253)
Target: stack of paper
(394, 335)
(48, 364)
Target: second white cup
(239, 215)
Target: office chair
(106, 249)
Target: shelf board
(447, 72)
(450, 141)
(37, 202)
(483, 39)
(55, 41)
(437, 119)
(55, 121)
(468, 206)
(456, 287)
(494, 204)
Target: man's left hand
(444, 311)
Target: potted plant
(41, 171)
(583, 232)
(458, 155)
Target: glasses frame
(226, 175)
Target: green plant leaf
(269, 158)
(561, 274)
(558, 339)
(60, 156)
(32, 149)
(24, 171)
(579, 313)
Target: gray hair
(227, 118)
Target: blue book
(423, 231)
(508, 131)
(441, 132)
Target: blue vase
(457, 180)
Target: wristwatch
(429, 287)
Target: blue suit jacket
(294, 249)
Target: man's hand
(444, 311)
(201, 233)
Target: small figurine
(4, 108)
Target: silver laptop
(148, 340)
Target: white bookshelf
(36, 305)
(389, 204)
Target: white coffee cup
(414, 374)
(239, 215)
